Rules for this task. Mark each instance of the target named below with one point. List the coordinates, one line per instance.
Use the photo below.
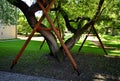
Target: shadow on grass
(115, 46)
(92, 63)
(92, 67)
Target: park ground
(93, 66)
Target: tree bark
(80, 30)
(29, 13)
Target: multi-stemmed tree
(77, 15)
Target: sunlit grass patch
(114, 52)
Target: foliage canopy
(8, 13)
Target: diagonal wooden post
(99, 40)
(92, 27)
(85, 39)
(56, 19)
(60, 39)
(31, 35)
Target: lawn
(112, 42)
(91, 60)
(10, 48)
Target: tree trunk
(29, 13)
(48, 35)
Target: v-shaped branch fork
(45, 15)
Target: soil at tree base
(91, 68)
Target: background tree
(23, 26)
(8, 13)
(109, 20)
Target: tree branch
(66, 18)
(96, 16)
(70, 42)
(30, 16)
(79, 19)
(34, 8)
(98, 12)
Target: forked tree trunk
(48, 35)
(55, 50)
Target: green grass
(33, 61)
(109, 41)
(10, 48)
(114, 42)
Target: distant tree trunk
(106, 31)
(113, 31)
(26, 34)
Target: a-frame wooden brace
(92, 28)
(45, 15)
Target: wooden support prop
(42, 44)
(96, 34)
(60, 39)
(31, 35)
(58, 28)
(84, 40)
(99, 40)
